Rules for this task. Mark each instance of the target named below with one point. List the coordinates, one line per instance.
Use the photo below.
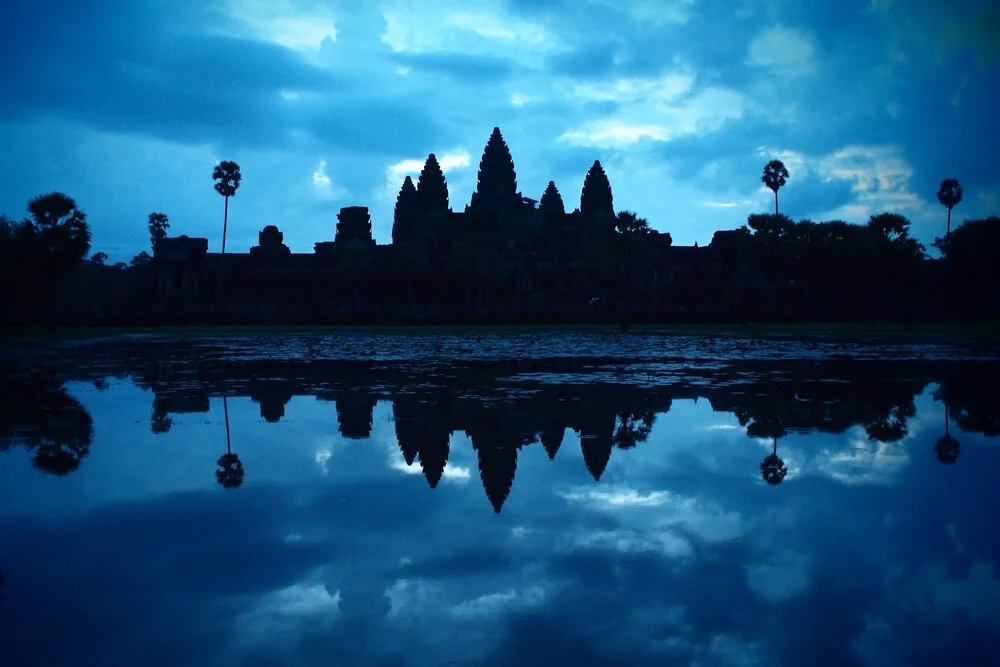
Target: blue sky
(127, 106)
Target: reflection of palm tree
(772, 468)
(46, 420)
(947, 447)
(66, 438)
(160, 422)
(230, 471)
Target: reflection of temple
(476, 399)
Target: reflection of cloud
(323, 456)
(451, 472)
(863, 461)
(977, 594)
(492, 604)
(636, 541)
(623, 498)
(656, 522)
(728, 650)
(780, 578)
(288, 613)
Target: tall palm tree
(950, 196)
(227, 176)
(230, 471)
(774, 177)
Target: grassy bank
(860, 329)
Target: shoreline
(805, 329)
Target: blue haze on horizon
(126, 106)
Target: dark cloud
(136, 73)
(393, 128)
(460, 68)
(809, 195)
(463, 562)
(163, 559)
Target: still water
(498, 500)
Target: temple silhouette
(504, 258)
(509, 258)
(517, 257)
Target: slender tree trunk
(775, 205)
(948, 229)
(222, 257)
(946, 418)
(225, 226)
(225, 410)
(775, 450)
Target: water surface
(499, 500)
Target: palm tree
(774, 177)
(61, 229)
(950, 196)
(946, 447)
(227, 176)
(772, 468)
(230, 471)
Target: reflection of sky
(335, 552)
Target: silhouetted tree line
(506, 258)
(475, 399)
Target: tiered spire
(551, 202)
(496, 470)
(404, 221)
(432, 188)
(497, 187)
(596, 197)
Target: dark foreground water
(499, 500)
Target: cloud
(322, 184)
(492, 604)
(628, 111)
(785, 51)
(457, 159)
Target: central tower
(496, 192)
